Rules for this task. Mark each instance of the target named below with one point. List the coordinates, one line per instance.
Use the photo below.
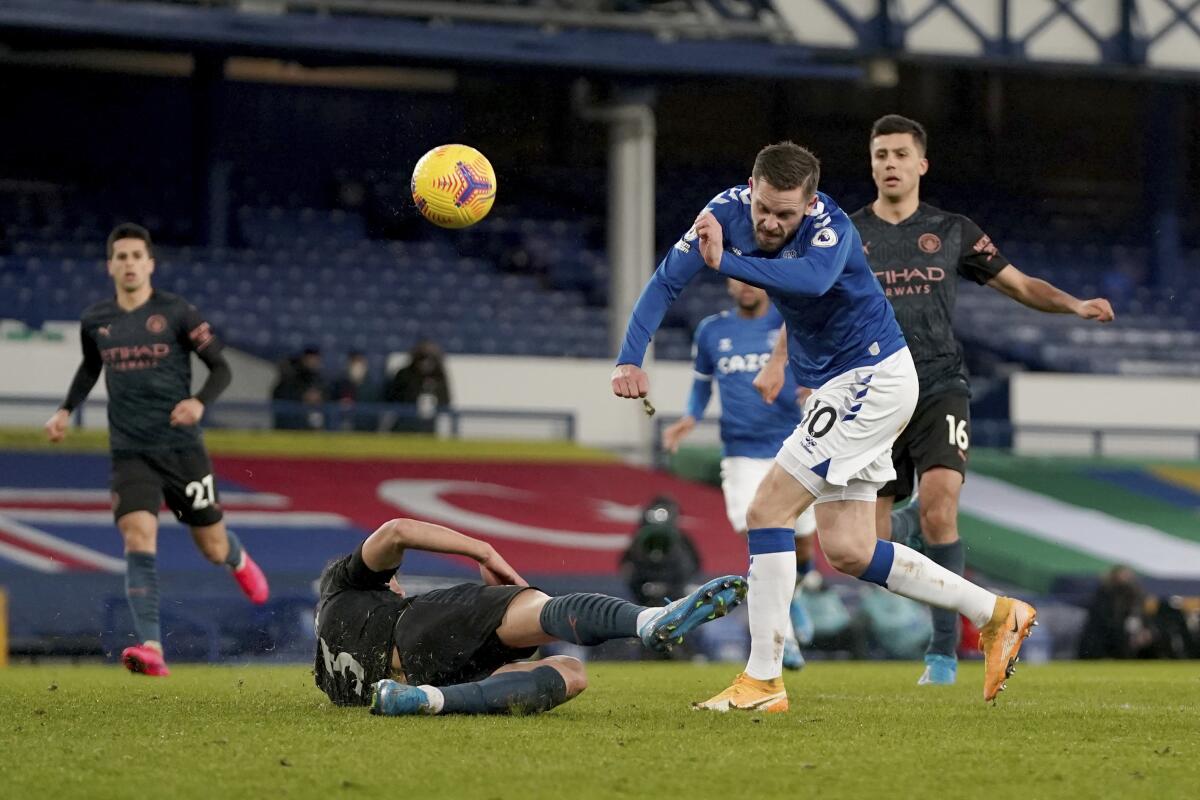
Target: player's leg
(583, 618)
(740, 479)
(941, 438)
(520, 688)
(849, 542)
(806, 530)
(771, 539)
(137, 496)
(139, 530)
(190, 489)
(940, 488)
(891, 524)
(222, 546)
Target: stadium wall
(43, 366)
(36, 364)
(1105, 415)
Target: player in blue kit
(731, 347)
(780, 234)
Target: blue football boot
(676, 619)
(394, 699)
(940, 670)
(802, 623)
(793, 659)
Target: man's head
(426, 357)
(310, 358)
(783, 187)
(898, 156)
(750, 300)
(130, 257)
(357, 366)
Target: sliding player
(459, 650)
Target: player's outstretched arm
(771, 377)
(681, 264)
(810, 275)
(384, 549)
(1044, 296)
(85, 378)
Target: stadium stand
(519, 284)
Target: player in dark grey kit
(143, 339)
(458, 650)
(918, 253)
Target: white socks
(772, 580)
(914, 576)
(436, 699)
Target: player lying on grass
(458, 650)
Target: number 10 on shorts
(958, 432)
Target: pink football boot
(252, 580)
(144, 660)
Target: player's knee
(138, 533)
(848, 559)
(939, 519)
(762, 514)
(573, 672)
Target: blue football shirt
(730, 350)
(837, 316)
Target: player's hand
(186, 412)
(674, 434)
(769, 380)
(1097, 308)
(495, 571)
(630, 381)
(56, 426)
(711, 239)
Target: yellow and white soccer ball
(453, 186)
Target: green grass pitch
(855, 730)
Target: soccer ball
(453, 186)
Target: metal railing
(712, 19)
(449, 422)
(1101, 441)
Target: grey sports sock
(141, 589)
(539, 689)
(589, 619)
(947, 627)
(906, 525)
(234, 559)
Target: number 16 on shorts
(957, 432)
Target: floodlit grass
(855, 730)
